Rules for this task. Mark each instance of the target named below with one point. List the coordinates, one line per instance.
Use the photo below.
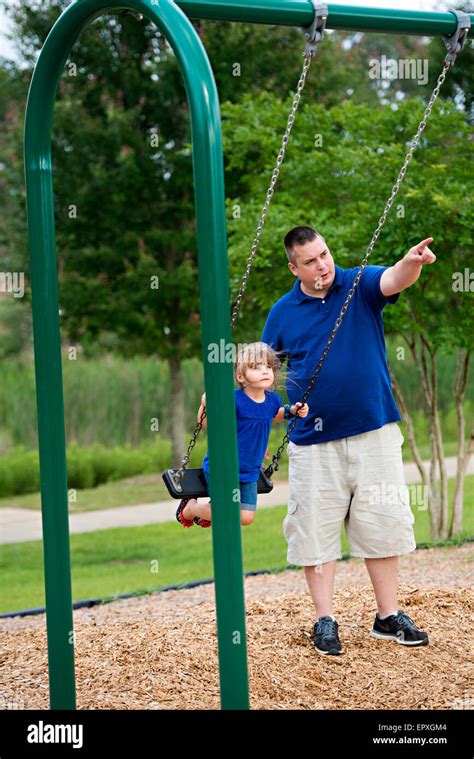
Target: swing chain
(314, 34)
(179, 473)
(270, 191)
(274, 466)
(261, 223)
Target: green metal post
(300, 13)
(215, 314)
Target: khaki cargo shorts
(357, 481)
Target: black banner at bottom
(143, 734)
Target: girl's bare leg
(194, 509)
(246, 517)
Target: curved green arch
(215, 314)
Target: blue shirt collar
(300, 296)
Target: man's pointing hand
(421, 253)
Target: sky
(7, 48)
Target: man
(345, 459)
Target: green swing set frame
(172, 19)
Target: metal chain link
(276, 171)
(308, 56)
(273, 467)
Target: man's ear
(293, 268)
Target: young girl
(257, 406)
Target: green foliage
(111, 401)
(341, 188)
(89, 467)
(80, 468)
(15, 327)
(12, 196)
(19, 472)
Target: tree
(339, 184)
(15, 316)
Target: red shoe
(202, 522)
(179, 514)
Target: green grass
(120, 560)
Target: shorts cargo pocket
(288, 522)
(292, 506)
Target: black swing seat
(193, 483)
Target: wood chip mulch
(159, 651)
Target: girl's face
(261, 376)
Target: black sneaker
(401, 628)
(325, 637)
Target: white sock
(384, 616)
(328, 615)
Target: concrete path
(21, 525)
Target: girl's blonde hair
(249, 355)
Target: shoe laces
(327, 628)
(405, 621)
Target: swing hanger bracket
(176, 477)
(315, 32)
(456, 41)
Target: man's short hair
(298, 236)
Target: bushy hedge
(19, 472)
(89, 467)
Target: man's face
(314, 265)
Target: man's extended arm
(406, 271)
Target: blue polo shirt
(352, 393)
